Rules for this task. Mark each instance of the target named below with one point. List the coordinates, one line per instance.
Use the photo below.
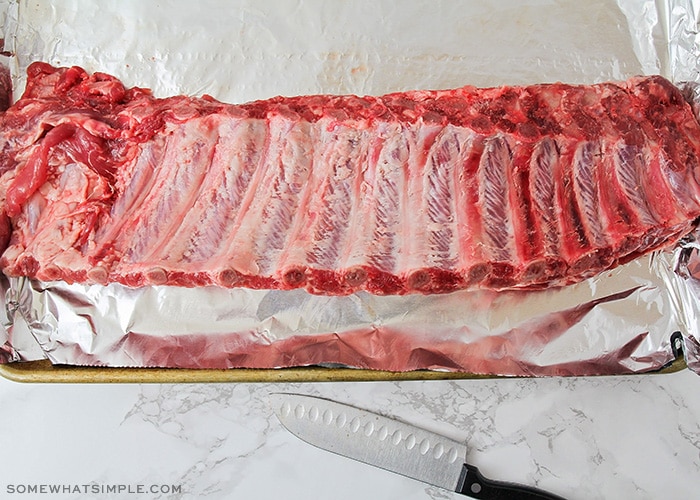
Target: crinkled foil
(620, 322)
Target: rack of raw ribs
(412, 192)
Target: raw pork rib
(424, 191)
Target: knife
(393, 445)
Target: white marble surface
(583, 438)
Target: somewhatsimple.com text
(91, 488)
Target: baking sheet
(43, 371)
(621, 322)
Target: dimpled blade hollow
(373, 439)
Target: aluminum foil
(619, 322)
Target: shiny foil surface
(620, 322)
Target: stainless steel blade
(373, 439)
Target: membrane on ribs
(421, 191)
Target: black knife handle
(473, 484)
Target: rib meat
(423, 191)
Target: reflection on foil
(8, 352)
(617, 323)
(683, 284)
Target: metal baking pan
(45, 372)
(228, 61)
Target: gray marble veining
(582, 438)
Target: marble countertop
(582, 438)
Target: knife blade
(394, 446)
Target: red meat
(423, 191)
